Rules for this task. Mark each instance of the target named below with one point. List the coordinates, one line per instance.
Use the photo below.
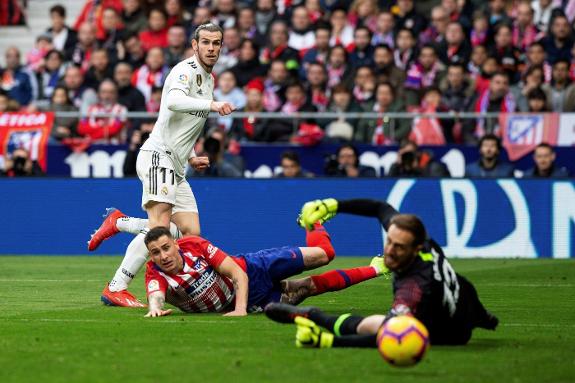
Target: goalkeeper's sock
(367, 341)
(335, 280)
(318, 237)
(135, 226)
(136, 256)
(345, 324)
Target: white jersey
(176, 133)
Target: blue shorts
(267, 268)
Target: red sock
(335, 280)
(319, 237)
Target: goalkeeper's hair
(411, 223)
(156, 233)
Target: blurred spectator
(456, 89)
(412, 162)
(86, 44)
(137, 139)
(113, 31)
(230, 50)
(496, 99)
(12, 13)
(435, 32)
(220, 164)
(363, 86)
(301, 35)
(92, 14)
(35, 57)
(536, 56)
(100, 69)
(64, 127)
(320, 50)
(251, 128)
(423, 73)
(128, 95)
(480, 30)
(7, 104)
(153, 104)
(19, 164)
(14, 79)
(405, 44)
(133, 17)
(383, 33)
(427, 130)
(134, 53)
(224, 13)
(341, 31)
(382, 131)
(455, 47)
(108, 129)
(345, 163)
(459, 11)
(533, 79)
(151, 74)
(82, 97)
(296, 101)
(275, 85)
(314, 8)
(524, 30)
(202, 15)
(227, 90)
(507, 54)
(542, 10)
(497, 13)
(489, 164)
(478, 58)
(561, 91)
(291, 166)
(247, 26)
(177, 15)
(174, 52)
(51, 74)
(362, 52)
(544, 158)
(316, 90)
(341, 102)
(363, 12)
(265, 14)
(338, 70)
(156, 34)
(63, 37)
(278, 48)
(385, 69)
(407, 17)
(537, 101)
(559, 40)
(248, 66)
(488, 69)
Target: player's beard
(205, 64)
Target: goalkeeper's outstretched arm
(368, 208)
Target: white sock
(136, 256)
(135, 226)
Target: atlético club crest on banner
(523, 132)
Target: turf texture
(53, 328)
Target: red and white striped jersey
(198, 287)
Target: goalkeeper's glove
(310, 335)
(318, 210)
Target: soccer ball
(403, 341)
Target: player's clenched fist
(222, 107)
(199, 163)
(318, 210)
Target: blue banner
(262, 161)
(470, 218)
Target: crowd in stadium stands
(304, 56)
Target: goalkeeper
(424, 285)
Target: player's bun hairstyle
(156, 233)
(411, 223)
(210, 27)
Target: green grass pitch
(53, 328)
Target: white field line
(72, 320)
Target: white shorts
(160, 183)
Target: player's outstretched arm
(239, 278)
(156, 302)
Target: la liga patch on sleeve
(183, 78)
(153, 285)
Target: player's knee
(329, 251)
(190, 230)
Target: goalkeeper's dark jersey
(429, 288)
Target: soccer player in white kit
(187, 99)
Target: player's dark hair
(210, 27)
(411, 223)
(489, 137)
(156, 233)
